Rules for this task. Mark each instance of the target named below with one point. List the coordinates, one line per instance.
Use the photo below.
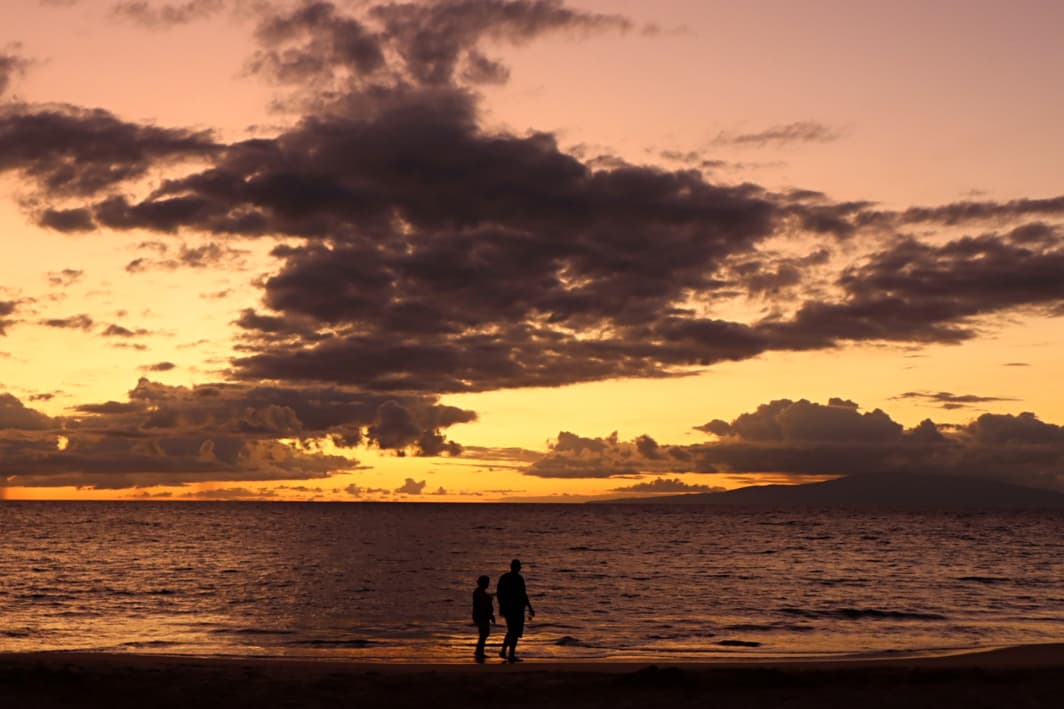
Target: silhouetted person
(513, 599)
(483, 614)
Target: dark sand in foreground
(1029, 676)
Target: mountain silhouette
(900, 491)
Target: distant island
(896, 491)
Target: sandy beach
(1028, 676)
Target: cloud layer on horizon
(803, 438)
(173, 435)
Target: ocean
(393, 582)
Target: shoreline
(1027, 675)
(1027, 655)
(1051, 653)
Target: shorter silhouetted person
(513, 599)
(483, 614)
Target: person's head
(515, 565)
(483, 582)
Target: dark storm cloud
(530, 246)
(430, 254)
(71, 151)
(797, 132)
(174, 435)
(74, 322)
(162, 14)
(802, 438)
(487, 260)
(949, 400)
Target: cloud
(666, 485)
(209, 255)
(485, 259)
(396, 427)
(425, 44)
(66, 277)
(985, 211)
(411, 487)
(791, 438)
(72, 151)
(948, 400)
(164, 14)
(66, 220)
(919, 292)
(781, 135)
(802, 438)
(11, 65)
(7, 308)
(573, 456)
(159, 367)
(355, 490)
(213, 432)
(14, 415)
(230, 494)
(115, 330)
(805, 421)
(74, 322)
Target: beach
(1025, 676)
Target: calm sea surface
(394, 581)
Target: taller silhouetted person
(513, 599)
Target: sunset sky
(526, 249)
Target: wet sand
(1028, 676)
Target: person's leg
(515, 630)
(484, 629)
(513, 649)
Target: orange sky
(892, 106)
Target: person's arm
(528, 602)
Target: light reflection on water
(393, 582)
